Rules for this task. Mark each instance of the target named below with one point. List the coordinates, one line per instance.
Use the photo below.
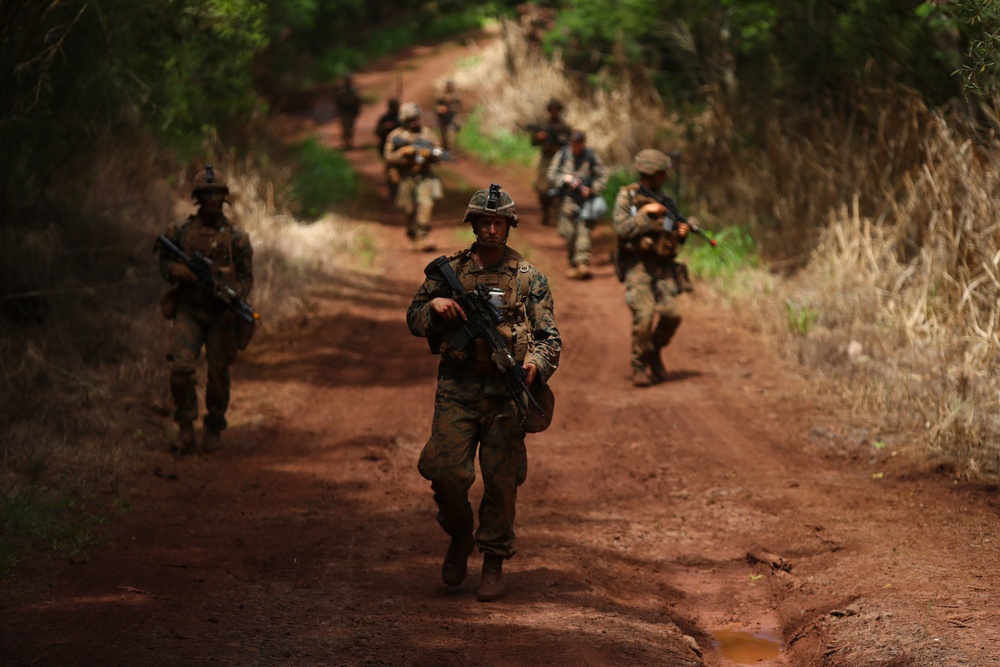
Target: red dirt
(733, 497)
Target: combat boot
(641, 378)
(572, 273)
(657, 369)
(211, 441)
(491, 584)
(583, 272)
(456, 562)
(184, 443)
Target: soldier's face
(659, 178)
(554, 113)
(578, 146)
(211, 201)
(491, 230)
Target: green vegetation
(321, 178)
(494, 145)
(32, 517)
(734, 252)
(800, 317)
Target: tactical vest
(509, 281)
(215, 243)
(656, 243)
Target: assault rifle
(201, 266)
(422, 145)
(552, 138)
(483, 317)
(674, 214)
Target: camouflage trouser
(448, 134)
(194, 328)
(651, 292)
(576, 232)
(465, 418)
(347, 129)
(415, 197)
(549, 205)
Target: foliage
(70, 70)
(735, 251)
(33, 517)
(800, 317)
(321, 178)
(495, 145)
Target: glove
(180, 273)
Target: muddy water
(745, 648)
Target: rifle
(673, 213)
(201, 266)
(552, 139)
(483, 317)
(423, 145)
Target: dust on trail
(729, 498)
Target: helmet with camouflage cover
(648, 161)
(481, 205)
(409, 111)
(208, 179)
(555, 104)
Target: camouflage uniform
(203, 320)
(648, 263)
(418, 187)
(472, 407)
(348, 107)
(589, 168)
(557, 135)
(448, 108)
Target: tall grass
(883, 223)
(83, 381)
(495, 145)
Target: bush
(496, 145)
(321, 178)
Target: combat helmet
(409, 111)
(492, 201)
(555, 103)
(648, 161)
(208, 179)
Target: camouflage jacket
(448, 108)
(587, 166)
(348, 101)
(530, 326)
(229, 249)
(640, 235)
(407, 162)
(557, 135)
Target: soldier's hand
(584, 191)
(654, 209)
(682, 229)
(180, 273)
(541, 136)
(532, 373)
(409, 149)
(447, 309)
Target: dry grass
(81, 350)
(884, 221)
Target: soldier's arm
(547, 346)
(420, 318)
(397, 157)
(167, 258)
(628, 225)
(557, 172)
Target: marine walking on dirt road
(579, 177)
(413, 150)
(448, 108)
(348, 108)
(549, 135)
(650, 232)
(210, 264)
(489, 314)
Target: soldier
(348, 107)
(648, 241)
(201, 319)
(473, 407)
(580, 175)
(549, 135)
(388, 122)
(413, 150)
(448, 108)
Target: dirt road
(733, 505)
